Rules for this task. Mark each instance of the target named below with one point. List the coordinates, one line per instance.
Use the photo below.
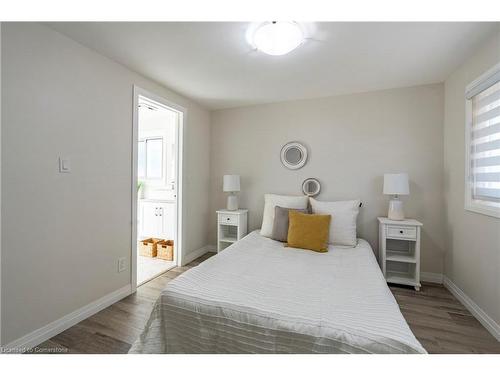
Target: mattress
(258, 296)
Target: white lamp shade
(396, 184)
(231, 182)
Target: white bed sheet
(258, 296)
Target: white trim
(431, 277)
(198, 253)
(135, 138)
(179, 134)
(480, 208)
(50, 330)
(488, 322)
(487, 79)
(179, 179)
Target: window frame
(163, 165)
(481, 84)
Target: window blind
(485, 143)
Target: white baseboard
(198, 253)
(488, 323)
(48, 331)
(44, 333)
(431, 277)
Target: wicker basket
(166, 250)
(148, 247)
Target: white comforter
(258, 296)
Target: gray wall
(473, 240)
(63, 233)
(353, 140)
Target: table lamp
(396, 184)
(231, 185)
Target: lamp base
(232, 202)
(396, 210)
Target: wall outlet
(122, 264)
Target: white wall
(472, 261)
(353, 140)
(63, 233)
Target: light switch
(64, 165)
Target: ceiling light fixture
(277, 38)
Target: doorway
(156, 184)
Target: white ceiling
(212, 63)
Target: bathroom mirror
(293, 155)
(311, 187)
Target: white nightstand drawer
(402, 232)
(228, 219)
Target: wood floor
(437, 319)
(441, 323)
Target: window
(482, 190)
(150, 158)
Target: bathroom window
(150, 158)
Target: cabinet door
(167, 220)
(149, 219)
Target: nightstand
(231, 227)
(399, 251)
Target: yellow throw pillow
(307, 231)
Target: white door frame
(178, 232)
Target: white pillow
(273, 200)
(343, 222)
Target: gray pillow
(280, 225)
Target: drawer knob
(401, 231)
(227, 219)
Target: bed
(258, 296)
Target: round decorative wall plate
(311, 187)
(294, 155)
